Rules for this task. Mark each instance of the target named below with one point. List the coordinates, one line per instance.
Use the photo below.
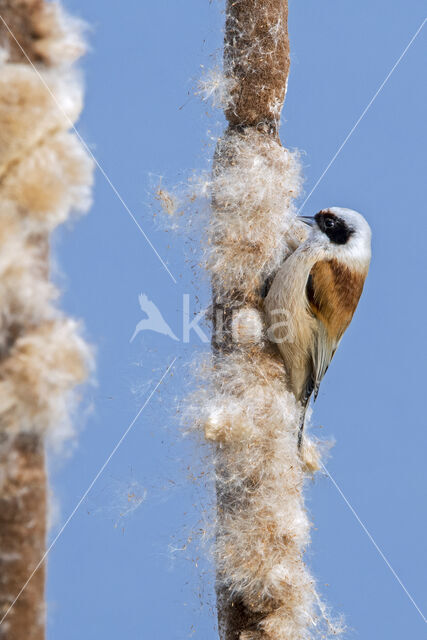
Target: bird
(155, 320)
(313, 296)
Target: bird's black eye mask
(334, 227)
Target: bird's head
(342, 233)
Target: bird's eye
(329, 223)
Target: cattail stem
(256, 57)
(263, 589)
(44, 175)
(22, 536)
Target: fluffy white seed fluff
(43, 366)
(254, 211)
(60, 36)
(247, 326)
(45, 176)
(214, 86)
(54, 180)
(254, 420)
(33, 106)
(242, 404)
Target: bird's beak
(308, 220)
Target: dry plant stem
(23, 499)
(22, 536)
(23, 519)
(18, 15)
(44, 175)
(256, 58)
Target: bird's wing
(323, 351)
(333, 292)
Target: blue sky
(124, 566)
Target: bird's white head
(342, 234)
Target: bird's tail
(302, 423)
(305, 400)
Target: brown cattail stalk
(243, 404)
(256, 58)
(44, 174)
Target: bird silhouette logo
(154, 320)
